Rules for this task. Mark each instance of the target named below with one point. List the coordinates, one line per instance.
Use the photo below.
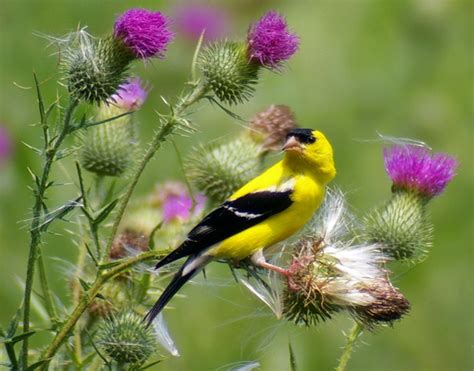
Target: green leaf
(96, 263)
(34, 366)
(18, 338)
(293, 366)
(9, 347)
(12, 327)
(60, 213)
(150, 364)
(151, 242)
(85, 285)
(109, 265)
(105, 211)
(40, 102)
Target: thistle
(6, 147)
(402, 225)
(270, 127)
(218, 169)
(95, 68)
(192, 20)
(270, 43)
(231, 68)
(126, 339)
(144, 33)
(178, 205)
(108, 149)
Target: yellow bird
(265, 211)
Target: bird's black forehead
(303, 135)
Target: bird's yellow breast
(307, 196)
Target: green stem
(89, 296)
(356, 331)
(76, 297)
(35, 228)
(48, 298)
(166, 129)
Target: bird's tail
(193, 265)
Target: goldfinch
(265, 211)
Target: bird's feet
(259, 260)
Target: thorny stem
(35, 228)
(167, 128)
(356, 331)
(89, 296)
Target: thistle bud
(95, 68)
(227, 71)
(270, 127)
(126, 339)
(108, 149)
(402, 225)
(218, 169)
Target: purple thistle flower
(130, 95)
(414, 168)
(6, 146)
(177, 204)
(144, 32)
(270, 42)
(193, 19)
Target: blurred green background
(400, 68)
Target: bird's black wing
(229, 219)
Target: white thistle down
(330, 272)
(163, 336)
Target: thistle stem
(48, 298)
(35, 228)
(89, 296)
(167, 128)
(356, 331)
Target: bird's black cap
(303, 135)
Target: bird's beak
(292, 145)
